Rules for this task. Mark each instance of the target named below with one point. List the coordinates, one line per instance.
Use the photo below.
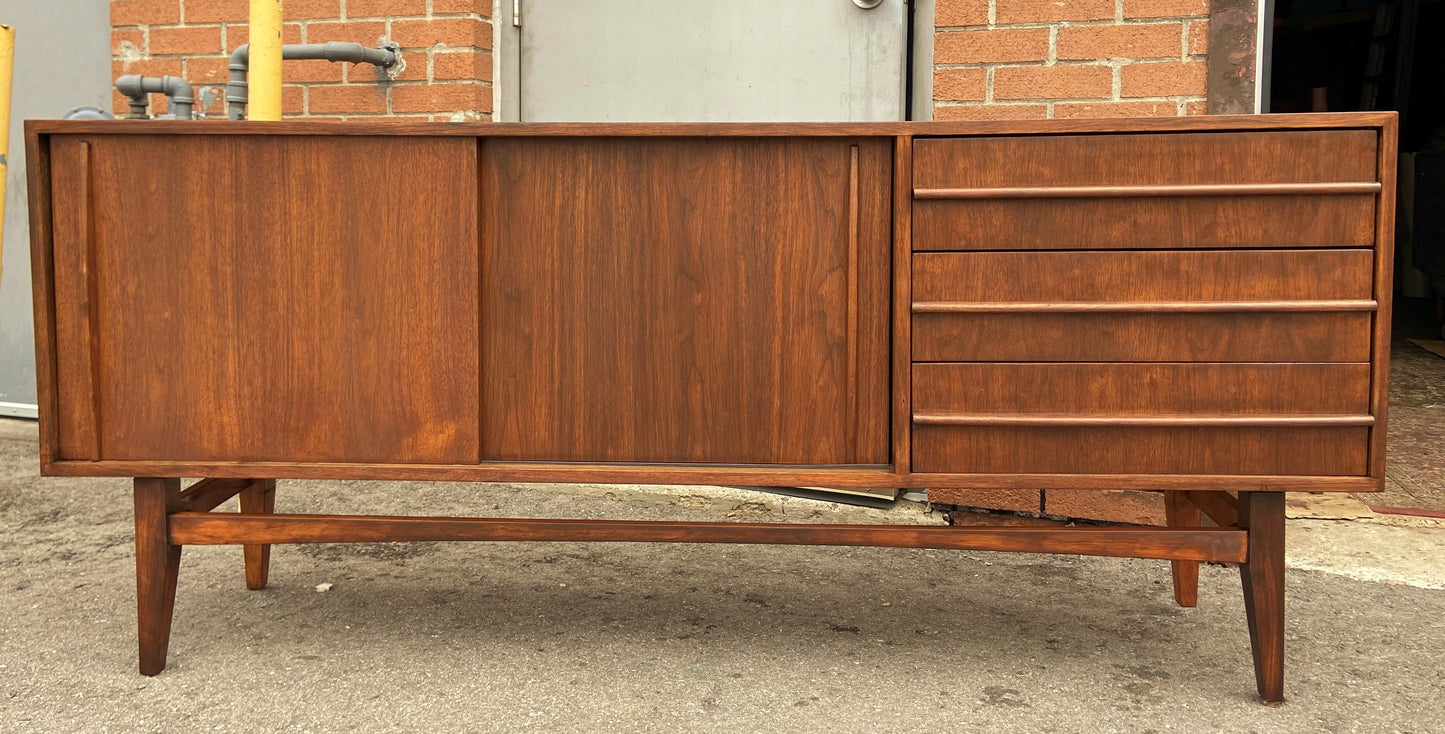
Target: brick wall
(445, 45)
(1034, 59)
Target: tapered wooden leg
(1179, 512)
(157, 564)
(258, 499)
(1262, 514)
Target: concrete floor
(630, 637)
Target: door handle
(867, 4)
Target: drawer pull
(1145, 306)
(1115, 192)
(1167, 421)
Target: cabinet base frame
(167, 519)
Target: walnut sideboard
(1194, 305)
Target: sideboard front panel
(270, 298)
(717, 300)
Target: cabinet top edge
(1204, 123)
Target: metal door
(710, 60)
(62, 61)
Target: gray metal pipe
(237, 93)
(137, 90)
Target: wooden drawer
(997, 393)
(1153, 306)
(1136, 449)
(1257, 189)
(1141, 418)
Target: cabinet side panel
(1384, 292)
(288, 298)
(684, 300)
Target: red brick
(1045, 11)
(415, 69)
(144, 12)
(207, 70)
(978, 47)
(1198, 37)
(384, 8)
(293, 99)
(1137, 41)
(364, 32)
(966, 85)
(311, 9)
(311, 70)
(216, 11)
(133, 36)
(239, 33)
(1065, 110)
(192, 40)
(1196, 108)
(465, 65)
(441, 98)
(1164, 8)
(347, 98)
(479, 7)
(1053, 82)
(1012, 500)
(147, 67)
(1125, 506)
(991, 112)
(447, 32)
(1166, 79)
(960, 13)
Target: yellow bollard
(7, 65)
(264, 75)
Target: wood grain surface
(38, 172)
(285, 298)
(1334, 220)
(1125, 277)
(1142, 337)
(1384, 285)
(78, 418)
(1231, 450)
(1179, 512)
(1318, 156)
(684, 300)
(1142, 389)
(1262, 515)
(1204, 544)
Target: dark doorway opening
(1341, 55)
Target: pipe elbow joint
(240, 58)
(132, 86)
(178, 90)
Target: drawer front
(1229, 419)
(1154, 306)
(1080, 224)
(1315, 156)
(1001, 393)
(1141, 337)
(1265, 189)
(1144, 276)
(1123, 449)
